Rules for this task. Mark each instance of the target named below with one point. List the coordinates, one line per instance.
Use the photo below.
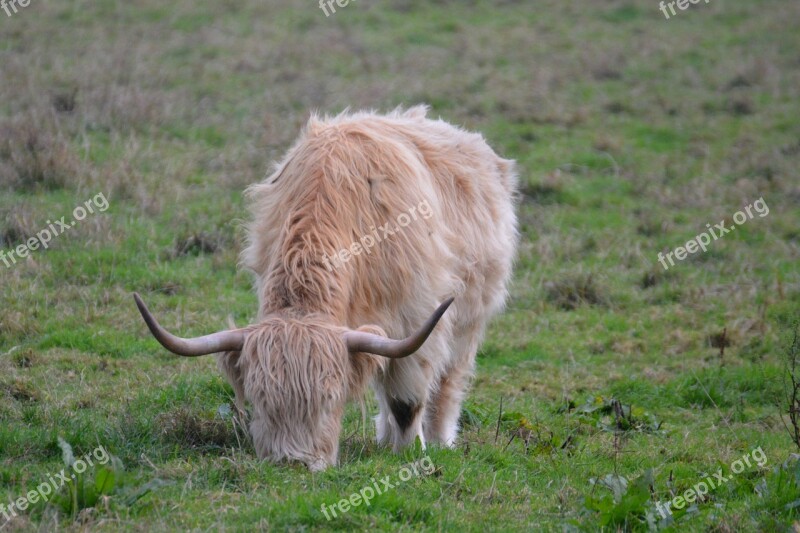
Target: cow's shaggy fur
(345, 177)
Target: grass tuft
(573, 291)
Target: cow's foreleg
(402, 395)
(444, 407)
(228, 363)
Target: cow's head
(297, 372)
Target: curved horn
(222, 341)
(361, 341)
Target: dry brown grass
(572, 291)
(186, 428)
(35, 156)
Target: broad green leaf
(105, 480)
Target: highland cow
(324, 334)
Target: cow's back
(349, 176)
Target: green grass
(632, 132)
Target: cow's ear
(363, 365)
(375, 330)
(360, 341)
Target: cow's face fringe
(298, 375)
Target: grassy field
(610, 384)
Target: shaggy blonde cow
(368, 224)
